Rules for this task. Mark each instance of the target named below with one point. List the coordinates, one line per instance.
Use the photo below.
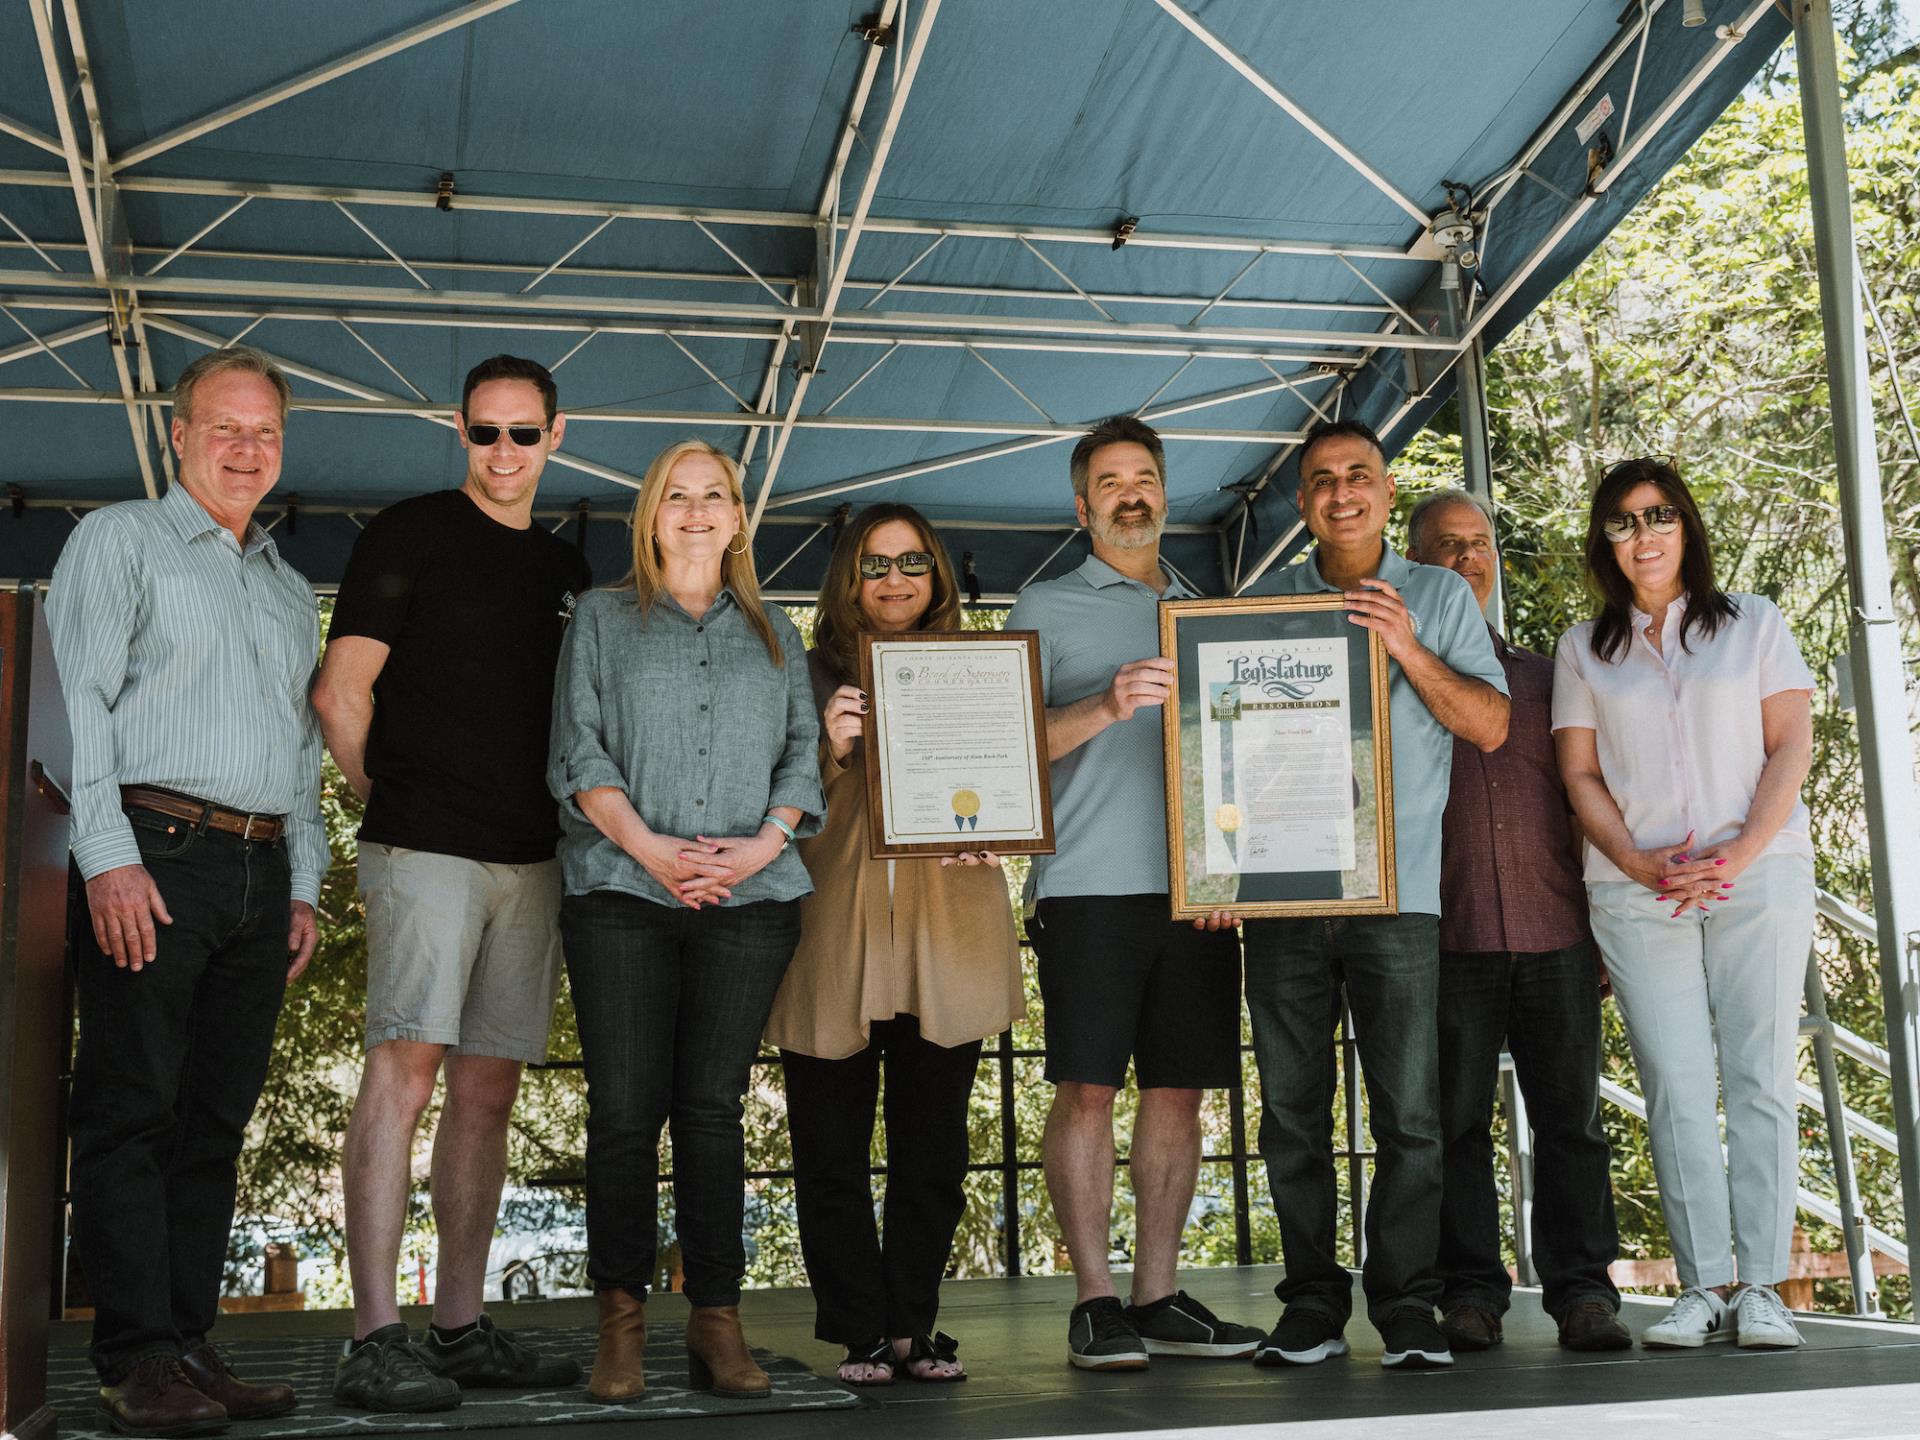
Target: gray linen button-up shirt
(692, 719)
(185, 659)
(1110, 794)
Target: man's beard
(1116, 534)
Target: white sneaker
(1763, 1320)
(1697, 1317)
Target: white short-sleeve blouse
(1678, 729)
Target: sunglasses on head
(913, 562)
(1625, 524)
(519, 434)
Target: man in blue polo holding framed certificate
(1445, 681)
(1122, 982)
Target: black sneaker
(1099, 1337)
(1303, 1337)
(1413, 1342)
(385, 1373)
(1178, 1324)
(485, 1356)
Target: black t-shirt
(473, 611)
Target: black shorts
(1119, 979)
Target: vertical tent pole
(1886, 749)
(1476, 452)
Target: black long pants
(171, 1062)
(1546, 1008)
(869, 1285)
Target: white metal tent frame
(803, 316)
(127, 291)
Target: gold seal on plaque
(1227, 819)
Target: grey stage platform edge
(1852, 1379)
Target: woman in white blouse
(1682, 718)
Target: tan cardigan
(942, 947)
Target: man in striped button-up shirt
(185, 646)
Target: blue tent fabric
(678, 153)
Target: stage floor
(1853, 1379)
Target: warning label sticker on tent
(1595, 118)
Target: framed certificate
(1279, 759)
(956, 743)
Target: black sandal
(941, 1348)
(880, 1352)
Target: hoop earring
(745, 544)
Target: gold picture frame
(1279, 759)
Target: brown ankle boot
(620, 1365)
(717, 1357)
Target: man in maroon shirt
(1517, 965)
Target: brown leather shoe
(156, 1398)
(717, 1357)
(207, 1371)
(620, 1365)
(1594, 1325)
(1468, 1327)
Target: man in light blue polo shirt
(1444, 681)
(1119, 978)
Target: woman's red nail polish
(1719, 862)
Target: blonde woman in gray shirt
(683, 757)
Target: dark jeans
(671, 1004)
(171, 1061)
(866, 1287)
(1546, 1007)
(1389, 967)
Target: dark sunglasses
(913, 562)
(1625, 524)
(519, 434)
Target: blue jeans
(171, 1062)
(671, 1004)
(1389, 967)
(1546, 1008)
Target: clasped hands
(704, 870)
(1676, 873)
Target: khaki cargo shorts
(460, 952)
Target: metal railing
(1354, 1152)
(1830, 1040)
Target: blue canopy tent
(871, 247)
(880, 249)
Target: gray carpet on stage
(73, 1391)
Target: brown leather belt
(202, 812)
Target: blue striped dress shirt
(186, 661)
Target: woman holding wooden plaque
(905, 965)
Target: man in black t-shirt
(435, 696)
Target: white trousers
(1732, 982)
